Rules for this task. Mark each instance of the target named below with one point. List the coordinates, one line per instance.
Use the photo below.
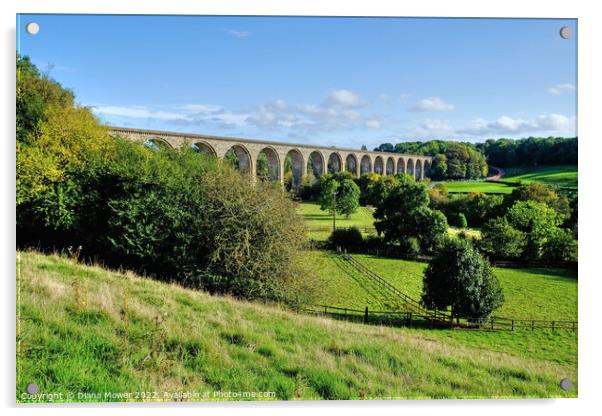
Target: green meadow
(564, 177)
(319, 223)
(558, 176)
(478, 186)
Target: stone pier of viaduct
(320, 159)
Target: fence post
(366, 315)
(532, 325)
(491, 319)
(553, 325)
(409, 318)
(513, 324)
(325, 307)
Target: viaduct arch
(303, 158)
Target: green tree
(500, 240)
(538, 221)
(36, 94)
(439, 167)
(560, 247)
(348, 197)
(541, 193)
(339, 197)
(404, 213)
(462, 223)
(461, 279)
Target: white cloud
(238, 33)
(432, 104)
(344, 98)
(558, 89)
(505, 125)
(340, 110)
(136, 112)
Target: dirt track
(499, 174)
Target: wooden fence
(415, 314)
(414, 319)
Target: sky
(317, 80)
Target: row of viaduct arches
(303, 158)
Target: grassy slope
(530, 293)
(86, 329)
(561, 176)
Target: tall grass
(88, 330)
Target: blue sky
(334, 81)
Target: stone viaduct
(304, 157)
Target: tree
(348, 197)
(339, 197)
(439, 167)
(462, 223)
(460, 278)
(404, 213)
(538, 221)
(500, 240)
(560, 247)
(540, 193)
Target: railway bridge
(304, 158)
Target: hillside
(86, 329)
(563, 176)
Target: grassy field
(84, 329)
(319, 223)
(478, 186)
(559, 176)
(548, 294)
(531, 293)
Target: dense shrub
(460, 278)
(346, 238)
(409, 248)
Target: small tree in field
(460, 278)
(339, 197)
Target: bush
(347, 238)
(409, 248)
(460, 278)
